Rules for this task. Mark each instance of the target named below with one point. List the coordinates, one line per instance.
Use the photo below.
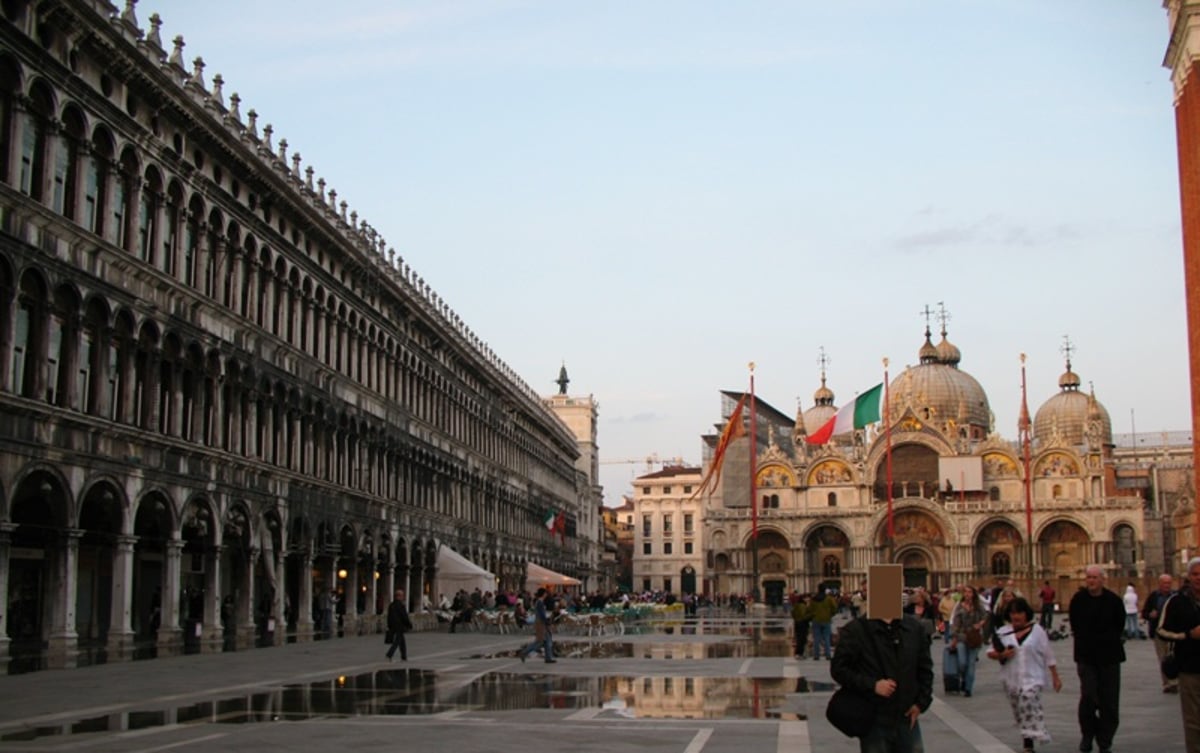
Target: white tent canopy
(457, 572)
(537, 576)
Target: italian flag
(853, 415)
(551, 520)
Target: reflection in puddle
(397, 692)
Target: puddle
(780, 646)
(399, 692)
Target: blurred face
(1194, 578)
(968, 594)
(1165, 582)
(1018, 619)
(1094, 581)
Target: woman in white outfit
(1026, 665)
(1131, 612)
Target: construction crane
(650, 461)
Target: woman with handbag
(966, 635)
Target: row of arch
(92, 575)
(59, 158)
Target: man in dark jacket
(1152, 611)
(1181, 626)
(1098, 625)
(398, 624)
(892, 661)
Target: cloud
(646, 417)
(992, 230)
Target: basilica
(933, 487)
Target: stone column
(279, 629)
(62, 651)
(246, 630)
(69, 368)
(170, 634)
(212, 636)
(133, 207)
(350, 594)
(6, 530)
(304, 598)
(120, 627)
(20, 111)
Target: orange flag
(733, 429)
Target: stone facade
(668, 535)
(956, 511)
(223, 394)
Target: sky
(659, 193)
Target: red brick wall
(1187, 134)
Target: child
(1026, 662)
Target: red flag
(733, 429)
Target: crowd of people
(1015, 633)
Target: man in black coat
(891, 660)
(1181, 625)
(1098, 625)
(398, 624)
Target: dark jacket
(1154, 604)
(1098, 625)
(1183, 614)
(397, 618)
(872, 650)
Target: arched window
(31, 180)
(24, 346)
(832, 499)
(994, 494)
(831, 567)
(1001, 563)
(1056, 492)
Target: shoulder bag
(973, 637)
(1170, 662)
(851, 711)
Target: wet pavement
(712, 686)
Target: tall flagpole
(887, 433)
(753, 484)
(1023, 429)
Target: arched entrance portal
(916, 568)
(687, 580)
(773, 564)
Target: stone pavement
(720, 686)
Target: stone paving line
(1150, 720)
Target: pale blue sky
(660, 192)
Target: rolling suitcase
(950, 679)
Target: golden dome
(823, 395)
(939, 391)
(817, 416)
(947, 352)
(1068, 413)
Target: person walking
(1180, 624)
(891, 660)
(1098, 623)
(398, 623)
(1132, 607)
(1152, 612)
(1027, 665)
(966, 636)
(1047, 595)
(541, 630)
(821, 610)
(801, 617)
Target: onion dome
(937, 390)
(947, 352)
(928, 353)
(1068, 413)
